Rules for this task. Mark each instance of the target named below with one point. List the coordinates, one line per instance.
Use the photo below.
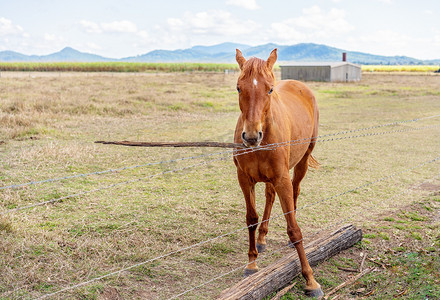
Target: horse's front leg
(284, 189)
(264, 227)
(248, 188)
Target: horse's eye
(271, 90)
(238, 90)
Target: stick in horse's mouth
(173, 144)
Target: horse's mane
(254, 66)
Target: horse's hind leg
(264, 226)
(313, 288)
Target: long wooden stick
(172, 144)
(361, 267)
(348, 269)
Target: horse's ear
(240, 59)
(272, 59)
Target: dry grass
(48, 125)
(404, 244)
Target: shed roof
(319, 64)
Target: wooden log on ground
(172, 144)
(279, 274)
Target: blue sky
(125, 28)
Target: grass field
(48, 124)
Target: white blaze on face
(255, 82)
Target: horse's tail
(313, 163)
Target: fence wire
(109, 171)
(236, 153)
(239, 229)
(82, 193)
(307, 140)
(50, 180)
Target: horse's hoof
(248, 272)
(316, 293)
(261, 248)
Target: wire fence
(235, 154)
(82, 193)
(50, 180)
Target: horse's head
(255, 87)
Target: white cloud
(286, 32)
(390, 43)
(90, 27)
(116, 26)
(437, 37)
(143, 34)
(218, 22)
(12, 36)
(8, 28)
(93, 46)
(50, 37)
(385, 37)
(247, 4)
(197, 28)
(312, 24)
(119, 26)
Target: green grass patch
(43, 287)
(370, 236)
(219, 249)
(384, 236)
(416, 236)
(414, 216)
(178, 107)
(146, 270)
(400, 227)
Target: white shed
(322, 71)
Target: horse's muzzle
(252, 141)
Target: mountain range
(224, 53)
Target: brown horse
(274, 113)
